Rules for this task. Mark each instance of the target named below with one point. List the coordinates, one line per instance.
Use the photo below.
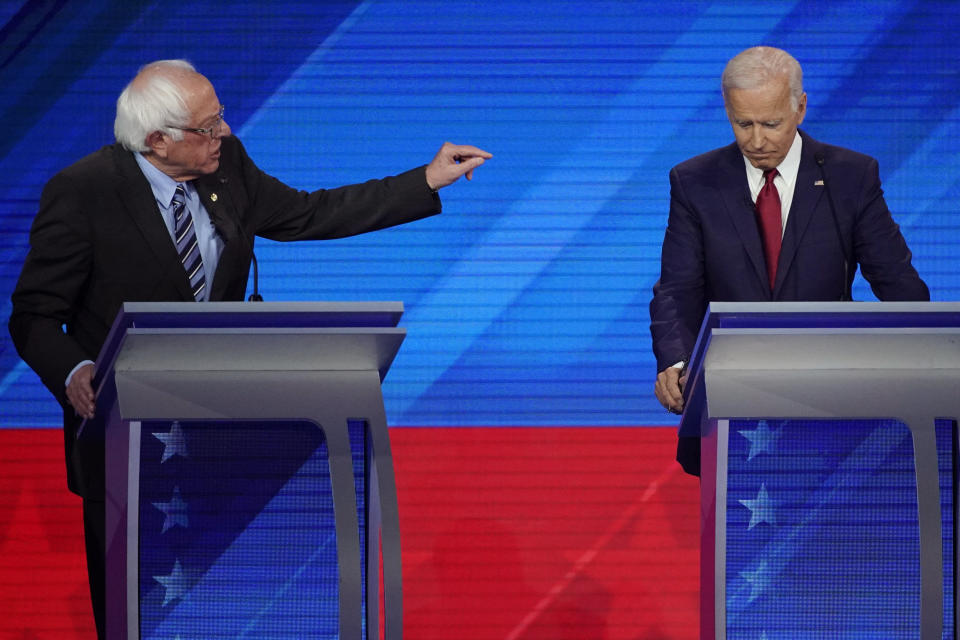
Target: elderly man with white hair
(776, 215)
(169, 213)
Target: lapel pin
(818, 183)
(213, 196)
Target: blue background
(527, 300)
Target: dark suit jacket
(99, 240)
(712, 249)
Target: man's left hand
(453, 161)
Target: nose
(757, 139)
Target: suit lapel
(138, 200)
(806, 194)
(735, 192)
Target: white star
(174, 442)
(175, 584)
(762, 508)
(762, 440)
(759, 580)
(175, 510)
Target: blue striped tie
(186, 239)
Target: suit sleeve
(880, 248)
(52, 279)
(679, 298)
(279, 212)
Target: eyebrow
(747, 121)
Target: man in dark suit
(169, 213)
(774, 216)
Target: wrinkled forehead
(771, 99)
(200, 97)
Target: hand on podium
(80, 391)
(669, 388)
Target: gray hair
(152, 102)
(757, 66)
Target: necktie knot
(179, 202)
(769, 175)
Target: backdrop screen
(527, 299)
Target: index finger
(468, 151)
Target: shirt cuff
(74, 370)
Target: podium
(828, 468)
(238, 440)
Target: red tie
(768, 216)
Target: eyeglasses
(213, 130)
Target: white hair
(757, 66)
(152, 102)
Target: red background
(507, 534)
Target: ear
(802, 108)
(158, 143)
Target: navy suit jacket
(99, 240)
(712, 249)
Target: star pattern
(173, 442)
(762, 508)
(175, 511)
(759, 580)
(762, 439)
(175, 584)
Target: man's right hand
(669, 389)
(453, 161)
(80, 391)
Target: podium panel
(223, 552)
(821, 527)
(238, 440)
(828, 469)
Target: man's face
(196, 154)
(763, 122)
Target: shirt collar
(788, 168)
(162, 185)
